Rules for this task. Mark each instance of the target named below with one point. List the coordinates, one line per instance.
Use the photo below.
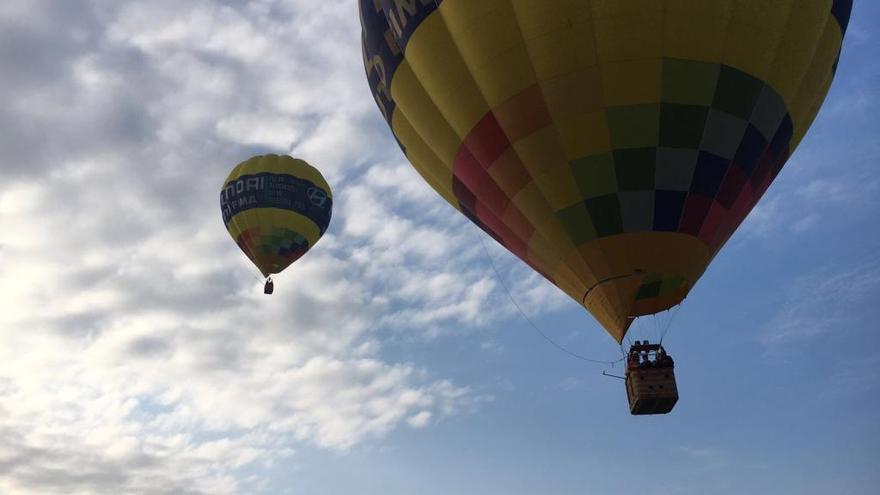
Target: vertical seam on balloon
(622, 304)
(721, 65)
(627, 322)
(663, 22)
(559, 260)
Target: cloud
(823, 301)
(137, 354)
(705, 458)
(809, 195)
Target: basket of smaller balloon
(651, 390)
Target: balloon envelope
(614, 146)
(275, 208)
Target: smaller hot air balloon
(276, 208)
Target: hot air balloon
(613, 146)
(275, 208)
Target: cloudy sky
(138, 354)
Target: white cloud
(809, 195)
(705, 457)
(137, 354)
(823, 301)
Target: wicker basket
(651, 390)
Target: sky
(139, 355)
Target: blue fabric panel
(268, 190)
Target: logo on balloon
(317, 196)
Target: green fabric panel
(649, 290)
(634, 126)
(635, 168)
(576, 221)
(689, 82)
(723, 134)
(637, 210)
(670, 284)
(737, 92)
(675, 168)
(681, 126)
(595, 175)
(605, 212)
(768, 113)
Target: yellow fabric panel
(816, 81)
(550, 238)
(604, 9)
(569, 282)
(425, 160)
(539, 150)
(585, 82)
(491, 47)
(615, 254)
(700, 8)
(535, 19)
(664, 252)
(584, 134)
(267, 218)
(694, 36)
(594, 257)
(239, 223)
(574, 263)
(796, 52)
(581, 123)
(531, 202)
(449, 85)
(750, 48)
(417, 115)
(481, 30)
(631, 82)
(545, 161)
(558, 185)
(803, 126)
(658, 304)
(634, 36)
(606, 302)
(652, 253)
(559, 52)
(509, 173)
(569, 273)
(465, 13)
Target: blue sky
(138, 355)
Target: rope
(529, 320)
(668, 325)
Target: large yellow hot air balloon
(613, 145)
(275, 208)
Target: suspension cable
(529, 320)
(668, 325)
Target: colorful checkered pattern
(272, 249)
(613, 145)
